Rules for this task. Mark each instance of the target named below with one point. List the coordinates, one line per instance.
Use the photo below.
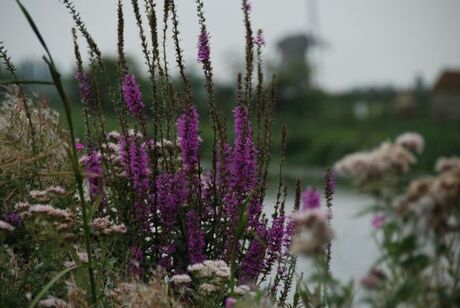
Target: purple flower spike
(260, 40)
(94, 172)
(275, 240)
(195, 238)
(311, 199)
(247, 7)
(84, 86)
(132, 95)
(245, 155)
(189, 139)
(253, 262)
(329, 188)
(135, 263)
(172, 192)
(13, 219)
(204, 50)
(139, 167)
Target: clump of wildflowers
(167, 212)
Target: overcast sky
(368, 41)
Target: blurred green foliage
(322, 127)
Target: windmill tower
(299, 51)
(313, 36)
(312, 19)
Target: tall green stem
(73, 152)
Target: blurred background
(351, 73)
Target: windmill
(299, 51)
(313, 35)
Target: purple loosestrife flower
(242, 175)
(230, 302)
(260, 40)
(189, 139)
(247, 7)
(84, 86)
(274, 240)
(172, 193)
(123, 148)
(245, 153)
(253, 262)
(94, 172)
(13, 219)
(79, 146)
(288, 233)
(195, 238)
(223, 164)
(254, 210)
(166, 256)
(204, 50)
(378, 221)
(311, 199)
(132, 95)
(329, 190)
(135, 262)
(139, 166)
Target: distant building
(446, 96)
(405, 103)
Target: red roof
(449, 81)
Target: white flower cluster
(4, 226)
(113, 135)
(387, 159)
(45, 210)
(212, 273)
(313, 231)
(104, 226)
(210, 268)
(47, 194)
(411, 141)
(181, 279)
(61, 220)
(53, 302)
(433, 200)
(242, 290)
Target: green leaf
(35, 29)
(46, 288)
(8, 82)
